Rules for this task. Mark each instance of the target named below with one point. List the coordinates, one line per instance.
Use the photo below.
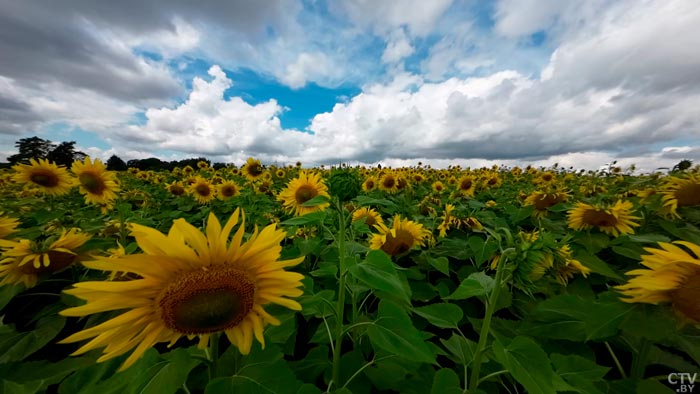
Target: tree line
(65, 153)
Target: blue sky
(467, 82)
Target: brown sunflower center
(599, 218)
(254, 169)
(369, 220)
(202, 190)
(389, 182)
(92, 182)
(394, 246)
(370, 184)
(228, 191)
(43, 177)
(547, 177)
(685, 298)
(57, 261)
(202, 302)
(305, 193)
(492, 181)
(465, 184)
(545, 201)
(688, 195)
(177, 190)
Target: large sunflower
(7, 225)
(202, 190)
(302, 189)
(681, 192)
(253, 169)
(401, 237)
(50, 178)
(190, 284)
(24, 261)
(615, 220)
(673, 275)
(96, 183)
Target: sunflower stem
(486, 326)
(617, 362)
(340, 307)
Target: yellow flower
(401, 237)
(252, 169)
(569, 266)
(226, 190)
(176, 188)
(302, 189)
(202, 165)
(190, 284)
(490, 204)
(50, 178)
(369, 184)
(543, 200)
(202, 190)
(7, 225)
(673, 275)
(680, 192)
(466, 186)
(368, 215)
(96, 183)
(388, 182)
(615, 221)
(447, 220)
(24, 261)
(438, 187)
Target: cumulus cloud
(209, 124)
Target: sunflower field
(286, 279)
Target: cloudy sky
(470, 82)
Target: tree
(64, 154)
(31, 148)
(115, 163)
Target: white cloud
(397, 48)
(308, 67)
(384, 16)
(208, 124)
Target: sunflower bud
(344, 184)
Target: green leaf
(441, 315)
(441, 264)
(318, 200)
(32, 387)
(566, 365)
(394, 332)
(483, 250)
(649, 238)
(476, 285)
(310, 218)
(7, 292)
(167, 376)
(632, 251)
(446, 381)
(593, 242)
(15, 346)
(365, 201)
(576, 318)
(263, 371)
(461, 348)
(528, 364)
(652, 386)
(379, 273)
(48, 372)
(597, 265)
